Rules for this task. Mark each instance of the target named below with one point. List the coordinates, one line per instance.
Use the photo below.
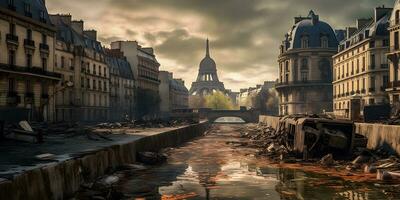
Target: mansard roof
(38, 9)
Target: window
(105, 86)
(372, 44)
(29, 34)
(371, 101)
(396, 40)
(100, 85)
(12, 29)
(385, 81)
(62, 62)
(304, 42)
(324, 42)
(11, 57)
(94, 84)
(99, 70)
(44, 38)
(44, 64)
(94, 69)
(363, 64)
(87, 83)
(11, 3)
(27, 9)
(397, 17)
(304, 76)
(11, 85)
(372, 61)
(71, 64)
(29, 60)
(82, 82)
(42, 16)
(28, 86)
(105, 72)
(372, 82)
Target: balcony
(44, 47)
(395, 22)
(31, 70)
(30, 44)
(394, 84)
(12, 39)
(301, 83)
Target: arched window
(397, 17)
(324, 42)
(304, 41)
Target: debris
(361, 159)
(46, 156)
(383, 175)
(369, 169)
(327, 160)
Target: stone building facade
(174, 95)
(145, 68)
(83, 93)
(305, 67)
(27, 75)
(394, 56)
(261, 97)
(122, 86)
(361, 66)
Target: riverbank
(66, 163)
(219, 166)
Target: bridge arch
(248, 116)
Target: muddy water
(215, 167)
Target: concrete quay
(379, 135)
(77, 160)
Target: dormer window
(11, 5)
(27, 8)
(304, 42)
(42, 16)
(324, 42)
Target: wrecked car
(313, 137)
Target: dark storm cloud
(245, 34)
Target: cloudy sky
(244, 34)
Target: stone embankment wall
(60, 180)
(379, 135)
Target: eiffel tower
(207, 81)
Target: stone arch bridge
(249, 116)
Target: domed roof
(208, 64)
(314, 29)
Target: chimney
(350, 31)
(77, 26)
(360, 23)
(92, 34)
(380, 12)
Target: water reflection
(229, 120)
(209, 168)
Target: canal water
(216, 167)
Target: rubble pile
(274, 145)
(144, 124)
(270, 142)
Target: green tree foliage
(218, 101)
